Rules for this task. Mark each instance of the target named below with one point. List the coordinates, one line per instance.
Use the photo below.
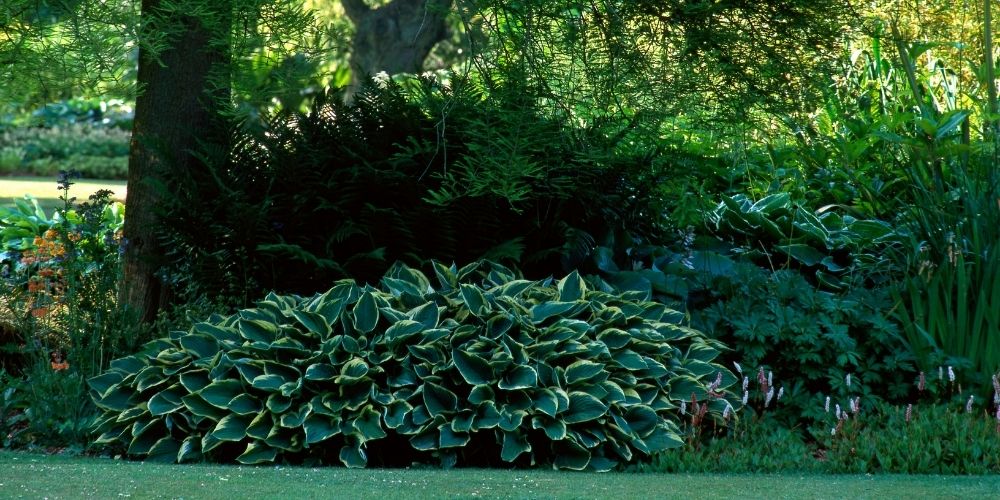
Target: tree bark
(395, 38)
(175, 109)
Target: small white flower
(725, 413)
(739, 369)
(770, 394)
(848, 379)
(838, 412)
(781, 392)
(746, 383)
(826, 406)
(968, 404)
(998, 414)
(833, 431)
(716, 383)
(940, 373)
(683, 407)
(381, 79)
(746, 396)
(770, 379)
(951, 375)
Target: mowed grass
(47, 191)
(41, 476)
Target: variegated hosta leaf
(550, 372)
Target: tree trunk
(395, 38)
(175, 109)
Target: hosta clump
(485, 369)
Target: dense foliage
(483, 368)
(426, 173)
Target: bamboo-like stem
(991, 86)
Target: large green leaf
(474, 300)
(367, 424)
(583, 371)
(245, 404)
(190, 449)
(201, 345)
(519, 377)
(366, 313)
(571, 288)
(320, 372)
(353, 456)
(313, 322)
(439, 400)
(319, 428)
(452, 439)
(426, 315)
(164, 450)
(546, 310)
(167, 400)
(570, 455)
(102, 383)
(117, 399)
(232, 427)
(474, 369)
(257, 453)
(256, 330)
(514, 444)
(582, 408)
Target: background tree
(395, 37)
(183, 79)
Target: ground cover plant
(482, 368)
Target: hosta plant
(483, 369)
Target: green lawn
(36, 476)
(47, 192)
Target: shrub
(485, 369)
(749, 446)
(94, 152)
(929, 439)
(343, 190)
(926, 439)
(816, 338)
(60, 280)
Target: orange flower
(39, 312)
(59, 366)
